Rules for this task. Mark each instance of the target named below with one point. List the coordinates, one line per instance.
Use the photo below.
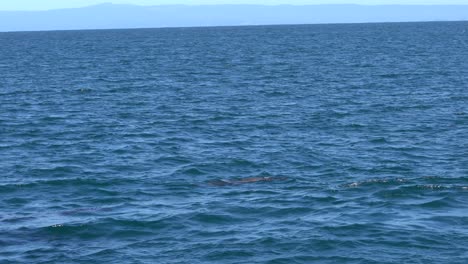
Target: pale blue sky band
(54, 4)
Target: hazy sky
(52, 4)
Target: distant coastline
(235, 26)
(112, 16)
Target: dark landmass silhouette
(112, 16)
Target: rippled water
(109, 141)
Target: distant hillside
(106, 16)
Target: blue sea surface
(113, 142)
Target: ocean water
(113, 144)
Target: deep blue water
(110, 140)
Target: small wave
(379, 140)
(84, 90)
(86, 211)
(16, 220)
(392, 75)
(424, 183)
(58, 170)
(107, 227)
(190, 171)
(215, 219)
(242, 181)
(452, 220)
(370, 182)
(73, 182)
(440, 187)
(439, 203)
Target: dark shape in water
(224, 182)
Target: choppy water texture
(109, 141)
